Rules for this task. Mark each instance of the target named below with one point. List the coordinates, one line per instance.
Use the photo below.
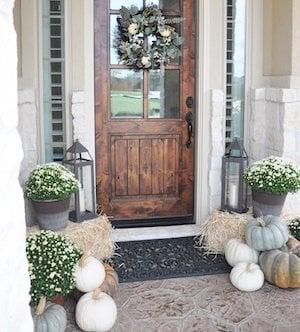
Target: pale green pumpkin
(49, 317)
(266, 233)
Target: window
(54, 79)
(235, 69)
(150, 93)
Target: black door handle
(189, 120)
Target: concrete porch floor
(207, 304)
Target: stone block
(78, 110)
(78, 97)
(26, 96)
(258, 94)
(216, 163)
(79, 125)
(291, 114)
(291, 206)
(258, 111)
(290, 95)
(257, 151)
(217, 130)
(214, 203)
(290, 143)
(214, 181)
(217, 148)
(217, 109)
(217, 96)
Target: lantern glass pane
(232, 181)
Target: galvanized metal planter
(267, 203)
(52, 214)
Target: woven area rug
(163, 259)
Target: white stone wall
(80, 126)
(14, 286)
(217, 144)
(275, 130)
(27, 128)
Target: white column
(14, 286)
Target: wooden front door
(144, 156)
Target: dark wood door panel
(145, 165)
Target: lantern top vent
(235, 150)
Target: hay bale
(219, 228)
(91, 235)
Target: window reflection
(114, 59)
(163, 94)
(126, 94)
(116, 4)
(167, 5)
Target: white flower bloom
(133, 29)
(145, 60)
(165, 33)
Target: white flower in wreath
(145, 60)
(133, 29)
(165, 33)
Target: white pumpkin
(96, 311)
(89, 273)
(236, 251)
(247, 277)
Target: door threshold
(151, 233)
(152, 221)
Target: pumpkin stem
(41, 306)
(96, 293)
(83, 258)
(248, 269)
(261, 221)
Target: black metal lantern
(234, 188)
(83, 168)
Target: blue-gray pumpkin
(266, 233)
(49, 317)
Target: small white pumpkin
(247, 277)
(89, 273)
(236, 251)
(96, 311)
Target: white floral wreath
(135, 26)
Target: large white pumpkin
(236, 251)
(247, 277)
(96, 311)
(89, 273)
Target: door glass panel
(116, 4)
(114, 59)
(167, 5)
(164, 92)
(126, 97)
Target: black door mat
(164, 259)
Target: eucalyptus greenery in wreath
(51, 261)
(145, 38)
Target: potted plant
(294, 227)
(271, 179)
(52, 258)
(50, 187)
